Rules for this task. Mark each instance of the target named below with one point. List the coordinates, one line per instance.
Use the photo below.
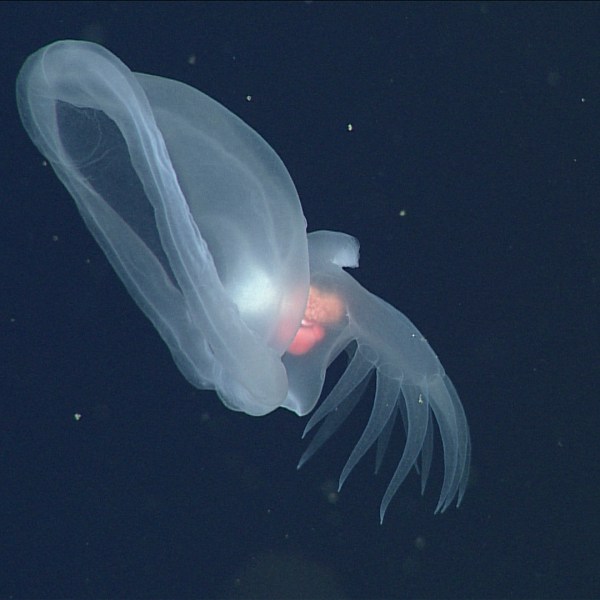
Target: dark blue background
(480, 120)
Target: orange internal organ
(322, 308)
